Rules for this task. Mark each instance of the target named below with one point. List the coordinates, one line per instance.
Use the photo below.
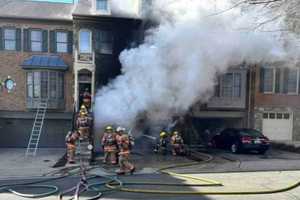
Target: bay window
(45, 85)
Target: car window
(250, 132)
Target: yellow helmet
(83, 113)
(108, 128)
(163, 134)
(175, 133)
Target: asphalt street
(237, 172)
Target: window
(292, 79)
(104, 41)
(10, 39)
(286, 116)
(45, 84)
(231, 85)
(268, 78)
(272, 115)
(85, 41)
(102, 5)
(62, 42)
(36, 40)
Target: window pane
(29, 85)
(36, 36)
(272, 115)
(37, 84)
(36, 40)
(292, 81)
(44, 84)
(286, 116)
(102, 5)
(106, 48)
(85, 42)
(53, 90)
(10, 44)
(9, 34)
(61, 37)
(62, 47)
(265, 115)
(36, 46)
(237, 85)
(268, 79)
(227, 85)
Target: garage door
(278, 126)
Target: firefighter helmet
(108, 128)
(163, 134)
(175, 133)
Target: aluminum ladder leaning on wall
(37, 128)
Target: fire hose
(115, 184)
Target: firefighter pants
(177, 149)
(110, 157)
(71, 148)
(124, 163)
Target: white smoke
(178, 63)
(126, 8)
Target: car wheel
(234, 148)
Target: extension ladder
(37, 128)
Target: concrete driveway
(225, 161)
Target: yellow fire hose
(119, 185)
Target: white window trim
(233, 79)
(297, 86)
(66, 32)
(102, 12)
(10, 28)
(79, 48)
(274, 80)
(41, 31)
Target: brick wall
(262, 99)
(10, 66)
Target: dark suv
(241, 140)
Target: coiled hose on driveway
(113, 183)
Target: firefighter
(109, 144)
(71, 139)
(162, 144)
(83, 122)
(124, 153)
(177, 144)
(87, 98)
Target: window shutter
(26, 41)
(1, 39)
(97, 40)
(277, 80)
(18, 39)
(52, 41)
(70, 41)
(45, 41)
(261, 82)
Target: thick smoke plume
(178, 63)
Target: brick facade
(275, 103)
(10, 66)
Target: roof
(26, 9)
(44, 62)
